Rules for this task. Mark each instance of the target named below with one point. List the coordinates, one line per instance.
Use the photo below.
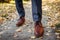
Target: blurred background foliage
(9, 0)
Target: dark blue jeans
(36, 9)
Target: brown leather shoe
(38, 31)
(20, 21)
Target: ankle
(38, 22)
(22, 17)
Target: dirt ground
(9, 31)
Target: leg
(37, 16)
(37, 10)
(20, 9)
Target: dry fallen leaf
(33, 37)
(18, 30)
(1, 20)
(15, 35)
(58, 37)
(57, 33)
(29, 30)
(47, 34)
